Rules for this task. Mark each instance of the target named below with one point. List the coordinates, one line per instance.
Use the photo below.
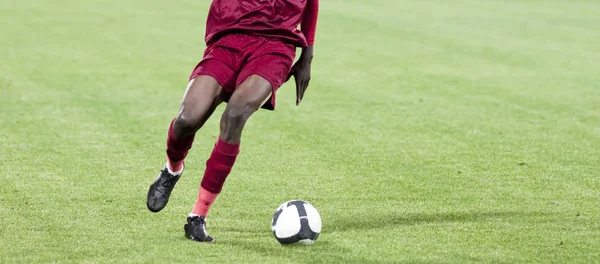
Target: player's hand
(301, 73)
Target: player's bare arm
(301, 72)
(301, 69)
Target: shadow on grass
(368, 221)
(321, 252)
(328, 251)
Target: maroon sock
(219, 165)
(177, 149)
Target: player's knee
(185, 125)
(233, 120)
(238, 113)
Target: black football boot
(195, 229)
(160, 190)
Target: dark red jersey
(271, 18)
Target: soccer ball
(296, 222)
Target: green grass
(433, 131)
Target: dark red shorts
(235, 57)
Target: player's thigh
(250, 95)
(222, 61)
(201, 98)
(273, 68)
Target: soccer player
(250, 49)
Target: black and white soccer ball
(296, 222)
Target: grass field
(433, 132)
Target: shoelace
(169, 181)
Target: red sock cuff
(227, 148)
